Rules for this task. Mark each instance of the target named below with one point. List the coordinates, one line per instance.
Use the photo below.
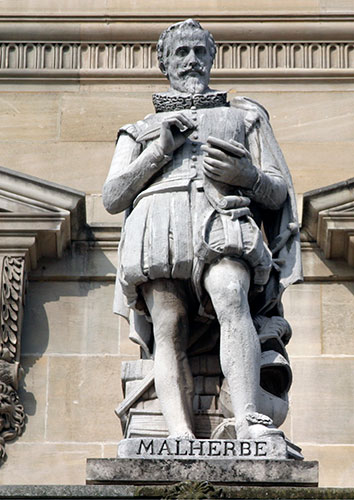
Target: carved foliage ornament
(193, 489)
(11, 298)
(12, 415)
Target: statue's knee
(170, 328)
(235, 294)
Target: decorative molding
(142, 56)
(123, 48)
(12, 295)
(135, 61)
(144, 27)
(37, 218)
(328, 219)
(12, 415)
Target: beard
(194, 83)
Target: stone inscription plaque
(153, 448)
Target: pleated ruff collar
(166, 102)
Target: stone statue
(210, 239)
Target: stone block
(44, 463)
(83, 392)
(29, 117)
(80, 165)
(309, 116)
(96, 213)
(322, 400)
(137, 369)
(110, 450)
(96, 262)
(98, 117)
(302, 308)
(336, 464)
(33, 396)
(209, 6)
(142, 471)
(317, 164)
(90, 326)
(338, 318)
(316, 266)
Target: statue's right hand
(174, 132)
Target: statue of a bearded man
(210, 235)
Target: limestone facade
(72, 73)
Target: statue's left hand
(229, 163)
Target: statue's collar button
(193, 108)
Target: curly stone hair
(163, 49)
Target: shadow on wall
(68, 311)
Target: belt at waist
(169, 185)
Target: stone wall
(70, 76)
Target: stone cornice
(146, 28)
(123, 48)
(328, 219)
(37, 218)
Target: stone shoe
(256, 425)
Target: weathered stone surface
(309, 116)
(321, 396)
(33, 395)
(84, 259)
(171, 184)
(142, 471)
(48, 303)
(87, 117)
(316, 267)
(210, 7)
(47, 463)
(312, 163)
(306, 327)
(53, 161)
(80, 391)
(96, 213)
(33, 118)
(128, 491)
(216, 449)
(338, 308)
(336, 463)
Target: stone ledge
(107, 491)
(219, 472)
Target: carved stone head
(185, 53)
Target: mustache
(192, 69)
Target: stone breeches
(173, 235)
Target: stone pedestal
(142, 471)
(162, 461)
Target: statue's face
(189, 62)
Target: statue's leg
(168, 306)
(227, 283)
